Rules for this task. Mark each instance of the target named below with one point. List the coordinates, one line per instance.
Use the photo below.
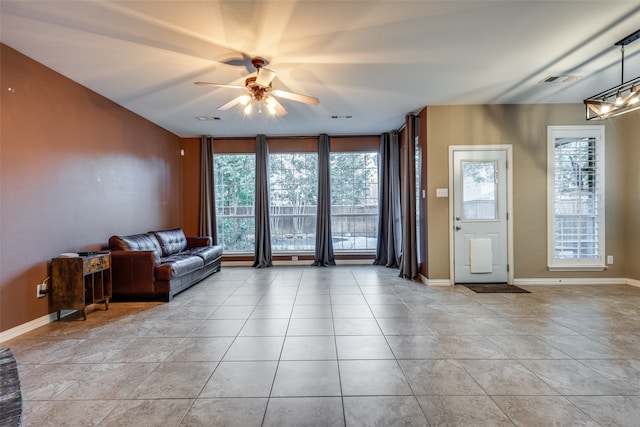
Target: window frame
(311, 218)
(576, 264)
(219, 208)
(376, 216)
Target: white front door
(480, 216)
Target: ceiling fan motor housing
(258, 62)
(259, 92)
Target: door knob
(458, 228)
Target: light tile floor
(347, 345)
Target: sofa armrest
(196, 242)
(133, 272)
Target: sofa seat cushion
(136, 242)
(208, 253)
(171, 241)
(177, 265)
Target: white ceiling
(374, 60)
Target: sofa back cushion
(171, 241)
(136, 242)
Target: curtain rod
(295, 137)
(404, 125)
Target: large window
(235, 198)
(293, 191)
(354, 201)
(576, 197)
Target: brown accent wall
(191, 186)
(75, 168)
(525, 127)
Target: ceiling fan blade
(244, 61)
(265, 76)
(232, 103)
(218, 85)
(280, 110)
(296, 97)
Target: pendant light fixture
(618, 100)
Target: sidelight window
(576, 197)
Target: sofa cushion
(208, 253)
(171, 241)
(136, 242)
(177, 265)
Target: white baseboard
(31, 325)
(438, 282)
(633, 282)
(571, 281)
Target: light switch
(442, 192)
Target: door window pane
(479, 189)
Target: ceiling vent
(208, 118)
(561, 78)
(341, 117)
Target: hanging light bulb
(634, 96)
(619, 100)
(247, 109)
(605, 107)
(244, 99)
(271, 105)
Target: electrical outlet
(39, 289)
(294, 257)
(610, 259)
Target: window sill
(579, 268)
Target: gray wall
(525, 127)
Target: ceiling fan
(261, 93)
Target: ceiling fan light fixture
(271, 105)
(260, 91)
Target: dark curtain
(262, 256)
(389, 224)
(207, 219)
(409, 257)
(324, 243)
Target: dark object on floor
(501, 288)
(10, 396)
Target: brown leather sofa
(159, 264)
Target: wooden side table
(80, 281)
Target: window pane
(354, 201)
(235, 196)
(575, 198)
(479, 190)
(293, 193)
